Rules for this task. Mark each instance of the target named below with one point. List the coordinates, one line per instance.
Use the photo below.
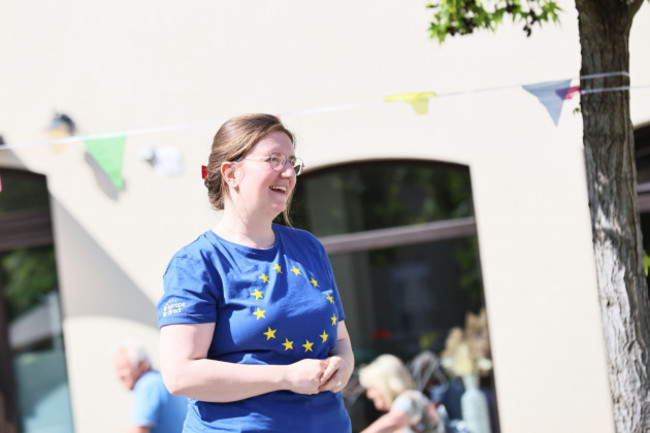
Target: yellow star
(314, 282)
(270, 333)
(259, 313)
(295, 270)
(329, 298)
(333, 319)
(265, 278)
(257, 294)
(307, 346)
(278, 268)
(287, 344)
(324, 336)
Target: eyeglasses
(278, 161)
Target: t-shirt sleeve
(411, 402)
(146, 404)
(190, 295)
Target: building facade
(431, 206)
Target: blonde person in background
(153, 408)
(390, 386)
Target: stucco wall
(129, 66)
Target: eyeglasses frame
(298, 164)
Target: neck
(247, 232)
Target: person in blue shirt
(153, 408)
(252, 326)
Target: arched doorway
(401, 237)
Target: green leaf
(460, 17)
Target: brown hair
(231, 143)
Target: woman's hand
(305, 376)
(336, 375)
(340, 363)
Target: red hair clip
(204, 171)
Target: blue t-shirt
(153, 406)
(271, 306)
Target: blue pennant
(551, 94)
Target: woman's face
(377, 398)
(265, 191)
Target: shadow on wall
(104, 181)
(92, 284)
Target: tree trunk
(604, 27)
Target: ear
(230, 173)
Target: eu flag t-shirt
(271, 306)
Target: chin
(278, 209)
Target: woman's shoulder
(418, 407)
(411, 400)
(296, 235)
(414, 394)
(195, 250)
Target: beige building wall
(127, 67)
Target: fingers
(306, 377)
(335, 384)
(332, 367)
(335, 376)
(311, 376)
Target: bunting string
(108, 149)
(545, 92)
(74, 138)
(604, 74)
(608, 89)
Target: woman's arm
(186, 370)
(340, 363)
(390, 422)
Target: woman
(390, 387)
(252, 325)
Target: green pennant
(419, 101)
(108, 153)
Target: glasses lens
(277, 161)
(298, 165)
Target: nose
(288, 170)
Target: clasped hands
(311, 376)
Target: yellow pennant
(419, 101)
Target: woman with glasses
(252, 326)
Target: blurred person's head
(232, 143)
(385, 379)
(429, 375)
(131, 362)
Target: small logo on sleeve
(172, 307)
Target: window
(33, 376)
(402, 242)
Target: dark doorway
(34, 392)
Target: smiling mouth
(279, 188)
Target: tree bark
(604, 27)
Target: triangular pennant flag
(567, 92)
(573, 90)
(108, 153)
(419, 101)
(547, 93)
